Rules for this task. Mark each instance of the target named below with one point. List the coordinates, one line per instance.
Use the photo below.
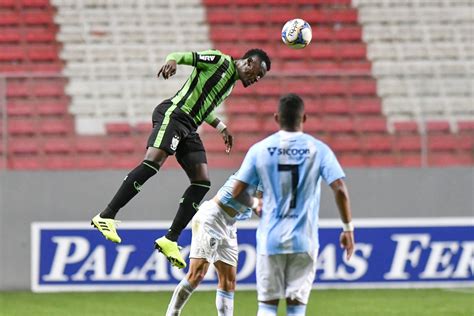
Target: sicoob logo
(288, 151)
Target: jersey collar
(286, 134)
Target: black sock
(188, 207)
(130, 187)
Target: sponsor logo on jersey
(208, 58)
(288, 151)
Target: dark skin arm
(226, 136)
(341, 197)
(168, 69)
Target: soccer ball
(296, 33)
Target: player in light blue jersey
(214, 241)
(290, 165)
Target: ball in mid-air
(296, 33)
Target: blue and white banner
(389, 253)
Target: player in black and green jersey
(175, 122)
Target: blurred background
(388, 84)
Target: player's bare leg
(197, 270)
(225, 288)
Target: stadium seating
(382, 80)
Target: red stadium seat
(35, 34)
(89, 144)
(117, 145)
(467, 126)
(52, 109)
(444, 159)
(59, 162)
(23, 146)
(339, 125)
(38, 17)
(220, 16)
(338, 106)
(245, 124)
(382, 160)
(24, 163)
(126, 161)
(352, 160)
(410, 160)
(377, 143)
(10, 35)
(22, 127)
(19, 110)
(9, 17)
(345, 143)
(370, 105)
(407, 127)
(92, 162)
(118, 128)
(35, 3)
(371, 125)
(57, 145)
(446, 142)
(7, 4)
(56, 126)
(408, 143)
(437, 126)
(12, 53)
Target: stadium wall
(27, 197)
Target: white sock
(181, 294)
(295, 310)
(224, 303)
(267, 309)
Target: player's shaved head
(290, 111)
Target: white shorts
(214, 235)
(285, 276)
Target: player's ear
(304, 118)
(277, 118)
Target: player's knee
(229, 284)
(195, 277)
(203, 185)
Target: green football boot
(107, 227)
(171, 251)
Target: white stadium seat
(422, 56)
(113, 50)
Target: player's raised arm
(341, 195)
(169, 68)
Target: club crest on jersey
(212, 242)
(175, 142)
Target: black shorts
(175, 132)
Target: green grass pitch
(429, 302)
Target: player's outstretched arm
(177, 58)
(341, 195)
(168, 69)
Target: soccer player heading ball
(175, 122)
